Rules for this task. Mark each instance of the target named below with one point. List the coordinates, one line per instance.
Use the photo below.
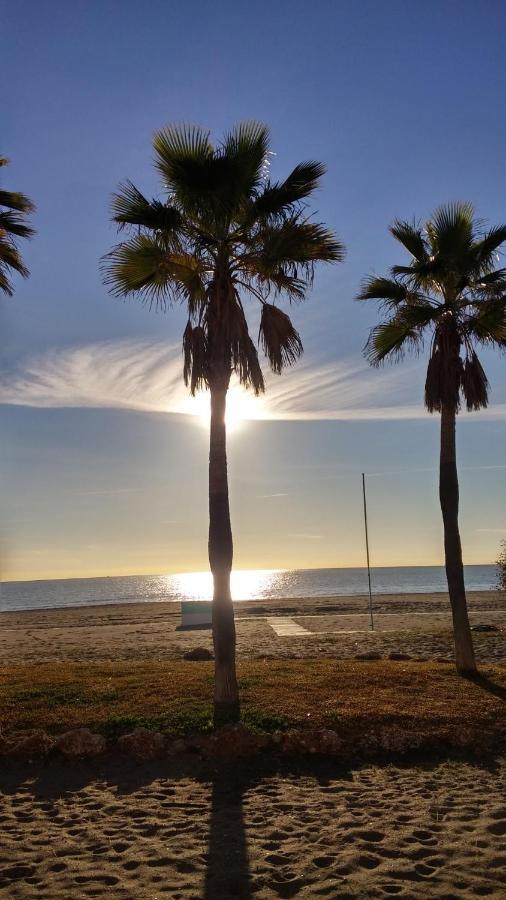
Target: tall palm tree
(14, 208)
(452, 291)
(222, 233)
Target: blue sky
(102, 472)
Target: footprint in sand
(323, 862)
(368, 862)
(131, 864)
(498, 828)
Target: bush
(501, 568)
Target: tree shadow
(227, 875)
(486, 683)
(227, 872)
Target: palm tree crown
(452, 288)
(222, 231)
(14, 208)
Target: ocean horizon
(251, 584)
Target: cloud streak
(147, 376)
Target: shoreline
(257, 606)
(338, 627)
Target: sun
(242, 406)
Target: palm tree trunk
(226, 694)
(449, 498)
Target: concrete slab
(286, 627)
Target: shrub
(501, 568)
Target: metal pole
(367, 552)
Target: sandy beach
(285, 830)
(416, 624)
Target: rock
(177, 746)
(231, 740)
(80, 742)
(399, 656)
(36, 743)
(369, 654)
(319, 740)
(198, 653)
(142, 743)
(395, 740)
(485, 627)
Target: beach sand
(417, 624)
(271, 830)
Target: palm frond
(444, 371)
(280, 341)
(10, 260)
(179, 143)
(488, 324)
(474, 384)
(485, 250)
(297, 242)
(233, 336)
(246, 364)
(494, 279)
(130, 207)
(13, 223)
(451, 230)
(390, 292)
(246, 148)
(17, 201)
(282, 256)
(141, 265)
(411, 237)
(281, 282)
(279, 198)
(392, 339)
(196, 358)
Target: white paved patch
(285, 627)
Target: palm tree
(222, 233)
(14, 209)
(453, 291)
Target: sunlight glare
(246, 584)
(242, 406)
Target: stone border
(238, 741)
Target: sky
(103, 458)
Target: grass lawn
(176, 697)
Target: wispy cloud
(147, 375)
(269, 496)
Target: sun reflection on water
(246, 584)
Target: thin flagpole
(367, 552)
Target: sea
(254, 584)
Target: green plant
(194, 720)
(258, 720)
(333, 718)
(501, 568)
